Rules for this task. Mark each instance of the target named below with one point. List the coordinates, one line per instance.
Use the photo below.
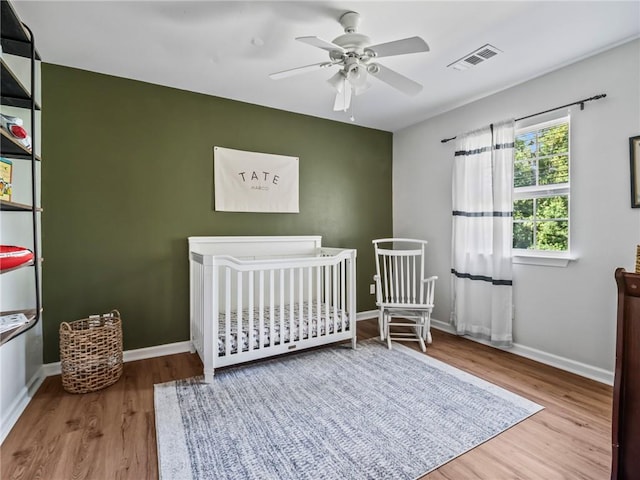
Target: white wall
(20, 376)
(566, 312)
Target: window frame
(535, 256)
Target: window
(541, 188)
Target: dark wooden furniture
(626, 390)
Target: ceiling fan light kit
(353, 52)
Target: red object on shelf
(12, 256)
(13, 125)
(18, 131)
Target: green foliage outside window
(541, 223)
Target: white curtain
(482, 234)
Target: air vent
(475, 58)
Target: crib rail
(264, 306)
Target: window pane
(552, 235)
(542, 157)
(523, 209)
(526, 146)
(523, 235)
(524, 173)
(554, 140)
(554, 170)
(552, 208)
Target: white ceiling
(228, 49)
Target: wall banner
(254, 182)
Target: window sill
(543, 259)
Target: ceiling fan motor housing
(353, 42)
(350, 21)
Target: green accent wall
(127, 176)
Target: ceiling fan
(354, 54)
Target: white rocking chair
(403, 295)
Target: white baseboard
(50, 369)
(157, 351)
(563, 363)
(366, 315)
(11, 415)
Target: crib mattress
(321, 324)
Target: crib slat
(281, 305)
(272, 331)
(343, 289)
(292, 312)
(227, 311)
(239, 313)
(318, 298)
(309, 302)
(334, 291)
(261, 308)
(250, 307)
(209, 322)
(299, 303)
(327, 287)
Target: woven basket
(91, 352)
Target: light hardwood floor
(110, 434)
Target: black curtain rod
(579, 102)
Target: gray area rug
(331, 413)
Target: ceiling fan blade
(394, 79)
(398, 47)
(343, 98)
(320, 43)
(361, 89)
(298, 70)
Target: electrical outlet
(372, 289)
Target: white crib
(254, 297)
